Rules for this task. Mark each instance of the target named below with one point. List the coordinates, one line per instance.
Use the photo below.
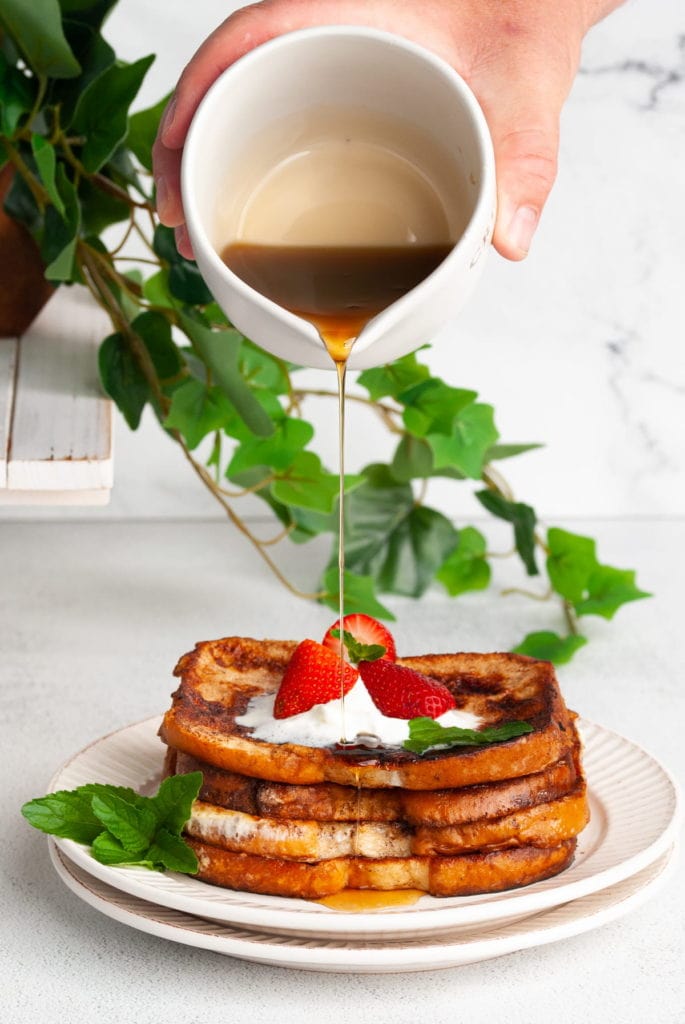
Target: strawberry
(400, 692)
(365, 630)
(311, 677)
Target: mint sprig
(120, 825)
(426, 734)
(357, 650)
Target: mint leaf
(359, 651)
(174, 800)
(608, 588)
(170, 851)
(67, 813)
(426, 734)
(132, 825)
(108, 850)
(548, 646)
(466, 568)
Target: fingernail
(161, 194)
(168, 117)
(522, 228)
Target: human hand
(518, 56)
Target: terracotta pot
(23, 288)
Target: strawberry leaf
(359, 651)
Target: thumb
(526, 166)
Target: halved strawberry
(365, 630)
(312, 677)
(400, 692)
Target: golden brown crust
(306, 840)
(219, 678)
(464, 875)
(328, 801)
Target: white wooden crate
(56, 426)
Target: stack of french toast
(306, 821)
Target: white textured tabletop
(581, 347)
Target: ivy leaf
(16, 97)
(360, 594)
(508, 451)
(186, 283)
(548, 646)
(142, 131)
(306, 484)
(220, 351)
(197, 410)
(372, 512)
(395, 378)
(414, 552)
(155, 332)
(413, 459)
(523, 519)
(260, 369)
(570, 563)
(36, 27)
(121, 378)
(277, 452)
(60, 236)
(608, 588)
(466, 567)
(99, 209)
(389, 537)
(156, 290)
(101, 114)
(432, 407)
(466, 448)
(93, 53)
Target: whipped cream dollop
(324, 724)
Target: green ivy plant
(82, 164)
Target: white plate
(634, 817)
(308, 953)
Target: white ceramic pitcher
(330, 68)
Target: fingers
(522, 85)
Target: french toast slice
(328, 801)
(467, 874)
(220, 677)
(543, 826)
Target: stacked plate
(623, 855)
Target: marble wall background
(581, 347)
